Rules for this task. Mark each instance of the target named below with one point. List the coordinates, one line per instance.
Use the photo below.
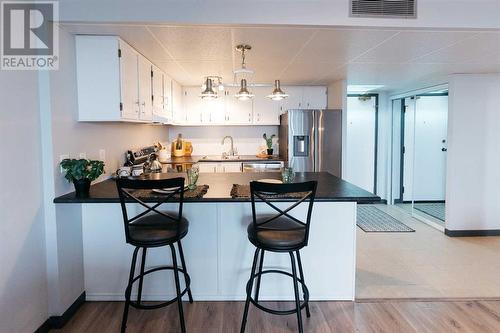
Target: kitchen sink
(229, 157)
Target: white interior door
(360, 142)
(431, 120)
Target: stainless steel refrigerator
(311, 140)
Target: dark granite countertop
(330, 188)
(210, 158)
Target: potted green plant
(82, 172)
(269, 143)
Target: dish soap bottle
(178, 146)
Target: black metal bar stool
(154, 228)
(279, 233)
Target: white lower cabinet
(206, 167)
(219, 167)
(230, 167)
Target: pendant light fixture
(244, 94)
(216, 82)
(277, 94)
(243, 74)
(209, 92)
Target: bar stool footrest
(163, 304)
(272, 311)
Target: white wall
(384, 145)
(23, 283)
(208, 140)
(473, 180)
(66, 136)
(459, 14)
(360, 144)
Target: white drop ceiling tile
(176, 72)
(271, 44)
(308, 71)
(137, 36)
(196, 42)
(408, 45)
(339, 45)
(465, 51)
(200, 69)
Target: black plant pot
(82, 188)
(269, 151)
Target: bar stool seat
(279, 234)
(154, 229)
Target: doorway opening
(419, 146)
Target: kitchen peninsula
(217, 251)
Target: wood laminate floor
(338, 317)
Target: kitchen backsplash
(207, 140)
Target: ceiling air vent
(384, 8)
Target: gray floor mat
(372, 219)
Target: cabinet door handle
(201, 118)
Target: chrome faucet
(231, 151)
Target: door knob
(444, 149)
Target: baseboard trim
(57, 322)
(44, 328)
(472, 233)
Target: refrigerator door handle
(313, 141)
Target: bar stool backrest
(126, 188)
(269, 191)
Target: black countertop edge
(74, 200)
(330, 188)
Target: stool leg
(181, 254)
(247, 302)
(178, 288)
(301, 272)
(258, 278)
(141, 279)
(129, 290)
(296, 290)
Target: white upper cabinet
(161, 96)
(314, 98)
(167, 98)
(307, 97)
(128, 83)
(145, 91)
(193, 107)
(265, 110)
(213, 110)
(294, 99)
(237, 112)
(116, 83)
(157, 82)
(178, 110)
